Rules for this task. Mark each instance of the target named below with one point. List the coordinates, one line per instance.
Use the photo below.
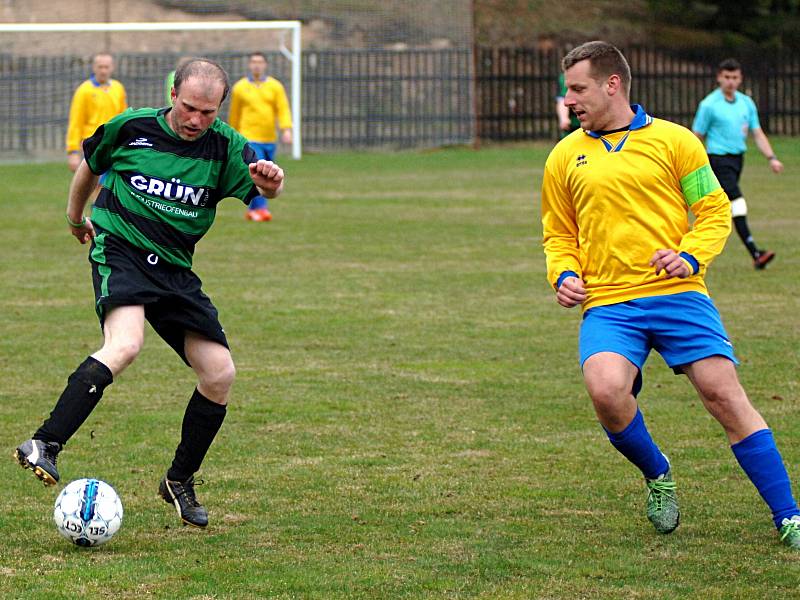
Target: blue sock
(635, 444)
(760, 459)
(258, 202)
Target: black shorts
(728, 169)
(124, 275)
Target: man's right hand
(571, 293)
(84, 233)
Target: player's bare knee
(219, 379)
(125, 352)
(724, 398)
(227, 375)
(607, 392)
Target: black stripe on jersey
(248, 156)
(167, 189)
(210, 146)
(159, 232)
(90, 144)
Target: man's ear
(613, 84)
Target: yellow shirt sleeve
(235, 112)
(123, 99)
(559, 225)
(284, 114)
(77, 119)
(707, 201)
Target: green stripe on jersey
(698, 184)
(113, 222)
(99, 256)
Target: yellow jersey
(256, 106)
(92, 105)
(610, 200)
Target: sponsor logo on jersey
(581, 160)
(170, 190)
(142, 141)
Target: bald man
(166, 171)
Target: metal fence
(405, 98)
(351, 98)
(516, 88)
(401, 99)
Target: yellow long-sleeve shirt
(256, 106)
(609, 202)
(92, 105)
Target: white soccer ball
(88, 512)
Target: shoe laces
(185, 490)
(50, 451)
(791, 528)
(660, 490)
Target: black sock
(201, 422)
(744, 233)
(84, 390)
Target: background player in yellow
(259, 108)
(95, 101)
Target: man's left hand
(268, 177)
(671, 263)
(775, 165)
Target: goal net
(41, 65)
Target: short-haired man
(259, 108)
(167, 170)
(615, 204)
(94, 102)
(723, 119)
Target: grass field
(408, 419)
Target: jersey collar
(640, 119)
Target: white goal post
(293, 54)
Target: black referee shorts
(124, 275)
(728, 169)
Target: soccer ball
(88, 512)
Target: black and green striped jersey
(161, 192)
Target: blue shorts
(263, 151)
(682, 328)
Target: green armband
(71, 224)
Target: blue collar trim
(640, 119)
(94, 81)
(252, 79)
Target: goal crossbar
(293, 54)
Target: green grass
(408, 419)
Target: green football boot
(790, 532)
(662, 504)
